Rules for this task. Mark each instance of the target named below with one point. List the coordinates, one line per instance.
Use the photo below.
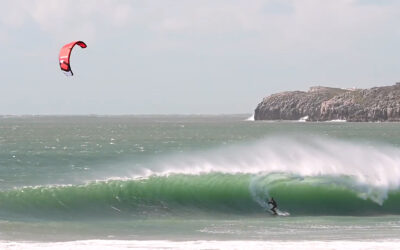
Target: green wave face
(188, 195)
(325, 195)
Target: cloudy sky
(187, 56)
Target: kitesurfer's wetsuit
(274, 205)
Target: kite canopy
(65, 54)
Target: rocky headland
(325, 104)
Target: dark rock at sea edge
(326, 104)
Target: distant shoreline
(126, 115)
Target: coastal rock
(325, 103)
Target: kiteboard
(278, 212)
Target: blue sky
(190, 57)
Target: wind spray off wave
(377, 165)
(316, 167)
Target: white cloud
(268, 24)
(66, 17)
(274, 24)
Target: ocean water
(197, 182)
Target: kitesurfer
(274, 205)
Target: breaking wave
(306, 175)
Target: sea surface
(197, 182)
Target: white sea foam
(337, 120)
(303, 119)
(251, 118)
(201, 244)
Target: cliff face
(324, 104)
